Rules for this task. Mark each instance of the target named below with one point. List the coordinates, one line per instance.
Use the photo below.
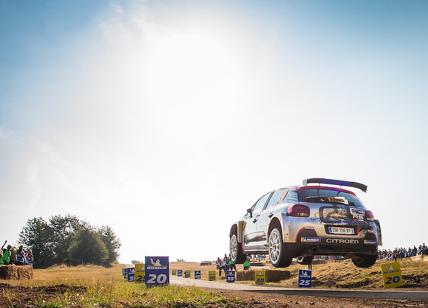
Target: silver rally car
(317, 218)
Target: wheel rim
(274, 246)
(233, 247)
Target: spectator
(246, 264)
(6, 255)
(12, 255)
(232, 265)
(20, 256)
(29, 257)
(219, 264)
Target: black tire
(237, 255)
(364, 261)
(305, 260)
(280, 258)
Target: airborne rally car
(317, 218)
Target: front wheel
(278, 256)
(364, 261)
(235, 249)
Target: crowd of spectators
(400, 253)
(12, 255)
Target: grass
(92, 286)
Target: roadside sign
(139, 272)
(211, 275)
(179, 273)
(127, 271)
(174, 272)
(230, 276)
(304, 278)
(198, 275)
(157, 271)
(260, 277)
(139, 276)
(391, 273)
(187, 274)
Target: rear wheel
(235, 249)
(364, 261)
(278, 256)
(305, 260)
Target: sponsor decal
(357, 214)
(341, 241)
(198, 275)
(370, 242)
(305, 239)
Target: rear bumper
(328, 248)
(313, 245)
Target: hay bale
(15, 272)
(276, 276)
(271, 275)
(245, 275)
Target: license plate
(341, 230)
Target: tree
(37, 234)
(63, 230)
(64, 237)
(111, 242)
(87, 247)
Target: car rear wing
(335, 182)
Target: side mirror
(250, 212)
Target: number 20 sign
(157, 271)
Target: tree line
(69, 240)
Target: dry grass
(89, 286)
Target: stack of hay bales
(276, 276)
(271, 275)
(14, 272)
(245, 275)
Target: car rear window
(323, 195)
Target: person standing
(20, 257)
(232, 265)
(6, 255)
(219, 265)
(247, 263)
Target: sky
(168, 119)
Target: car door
(251, 237)
(268, 212)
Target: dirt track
(31, 297)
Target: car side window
(260, 204)
(292, 197)
(277, 198)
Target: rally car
(318, 218)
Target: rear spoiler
(336, 182)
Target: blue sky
(115, 110)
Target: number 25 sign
(157, 271)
